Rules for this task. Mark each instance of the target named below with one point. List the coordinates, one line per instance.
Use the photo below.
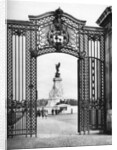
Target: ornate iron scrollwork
(34, 53)
(31, 86)
(58, 35)
(19, 32)
(82, 55)
(58, 22)
(94, 37)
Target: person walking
(52, 111)
(42, 112)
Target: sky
(19, 10)
(46, 72)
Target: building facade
(105, 21)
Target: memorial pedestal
(56, 94)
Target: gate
(53, 32)
(21, 79)
(91, 106)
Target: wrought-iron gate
(21, 79)
(91, 109)
(48, 33)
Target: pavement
(58, 131)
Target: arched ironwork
(53, 32)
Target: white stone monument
(56, 93)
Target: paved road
(58, 125)
(58, 131)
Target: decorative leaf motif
(82, 54)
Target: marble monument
(56, 93)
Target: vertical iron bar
(12, 63)
(94, 84)
(89, 97)
(7, 82)
(19, 68)
(101, 85)
(94, 117)
(79, 101)
(91, 69)
(94, 71)
(91, 84)
(36, 99)
(22, 84)
(88, 82)
(105, 110)
(15, 68)
(79, 93)
(97, 70)
(31, 84)
(84, 114)
(26, 36)
(36, 80)
(97, 86)
(22, 69)
(15, 81)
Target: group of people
(42, 113)
(55, 111)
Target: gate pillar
(83, 95)
(9, 83)
(31, 83)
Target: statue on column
(56, 93)
(57, 75)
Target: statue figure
(57, 67)
(57, 70)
